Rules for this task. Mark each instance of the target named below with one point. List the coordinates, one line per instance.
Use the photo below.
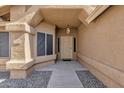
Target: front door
(66, 47)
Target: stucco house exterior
(32, 36)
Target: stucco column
(21, 56)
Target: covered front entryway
(63, 36)
(66, 44)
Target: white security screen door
(66, 45)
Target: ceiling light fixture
(68, 30)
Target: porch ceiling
(62, 17)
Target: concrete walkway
(63, 75)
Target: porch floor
(64, 75)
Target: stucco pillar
(21, 56)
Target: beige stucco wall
(62, 32)
(101, 46)
(16, 12)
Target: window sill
(45, 58)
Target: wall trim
(110, 72)
(98, 10)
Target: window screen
(49, 44)
(4, 44)
(40, 44)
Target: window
(4, 44)
(74, 44)
(49, 44)
(58, 44)
(40, 44)
(44, 44)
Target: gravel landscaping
(38, 79)
(88, 80)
